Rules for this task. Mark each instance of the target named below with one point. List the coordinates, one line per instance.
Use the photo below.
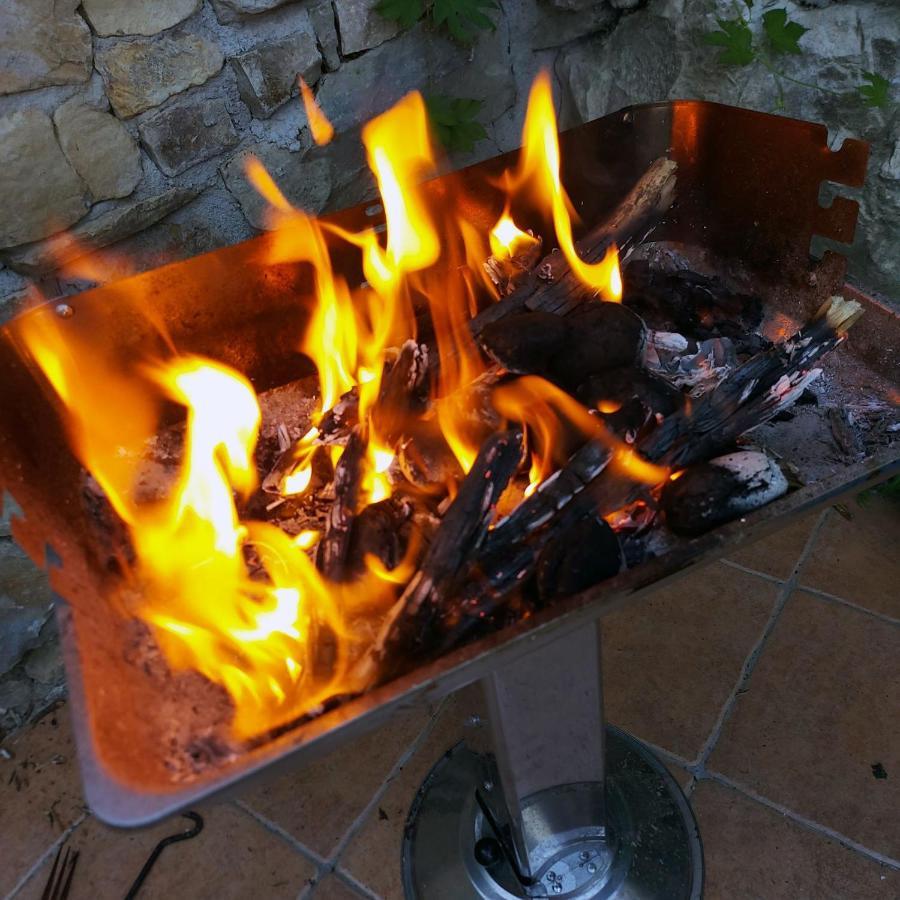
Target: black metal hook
(197, 819)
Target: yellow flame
(320, 128)
(507, 239)
(539, 172)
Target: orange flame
(538, 173)
(241, 601)
(320, 128)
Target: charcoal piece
(425, 457)
(404, 392)
(622, 384)
(334, 547)
(526, 343)
(409, 630)
(630, 420)
(601, 336)
(378, 530)
(710, 494)
(700, 306)
(578, 557)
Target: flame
(508, 240)
(241, 601)
(538, 174)
(558, 424)
(320, 128)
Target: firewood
(455, 543)
(377, 530)
(404, 392)
(551, 286)
(710, 494)
(348, 474)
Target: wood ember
(709, 494)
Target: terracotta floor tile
(752, 852)
(373, 856)
(820, 711)
(317, 803)
(858, 560)
(778, 554)
(233, 857)
(40, 794)
(332, 888)
(671, 661)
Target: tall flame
(538, 173)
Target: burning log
(457, 540)
(348, 474)
(343, 416)
(377, 530)
(710, 494)
(553, 287)
(404, 392)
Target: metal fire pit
(747, 196)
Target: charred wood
(334, 547)
(455, 543)
(711, 494)
(404, 392)
(378, 530)
(552, 287)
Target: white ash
(759, 474)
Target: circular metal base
(650, 850)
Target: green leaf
(736, 41)
(876, 92)
(463, 18)
(406, 12)
(781, 32)
(453, 121)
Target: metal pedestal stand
(563, 807)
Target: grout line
(803, 822)
(285, 835)
(748, 571)
(787, 588)
(405, 757)
(833, 598)
(355, 885)
(46, 855)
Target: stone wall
(125, 124)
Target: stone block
(181, 136)
(305, 182)
(321, 17)
(98, 231)
(637, 63)
(419, 58)
(26, 603)
(112, 17)
(42, 43)
(555, 27)
(142, 74)
(267, 75)
(230, 11)
(40, 192)
(361, 27)
(100, 149)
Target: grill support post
(561, 805)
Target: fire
(538, 174)
(507, 239)
(320, 128)
(239, 600)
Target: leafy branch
(453, 121)
(740, 46)
(463, 19)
